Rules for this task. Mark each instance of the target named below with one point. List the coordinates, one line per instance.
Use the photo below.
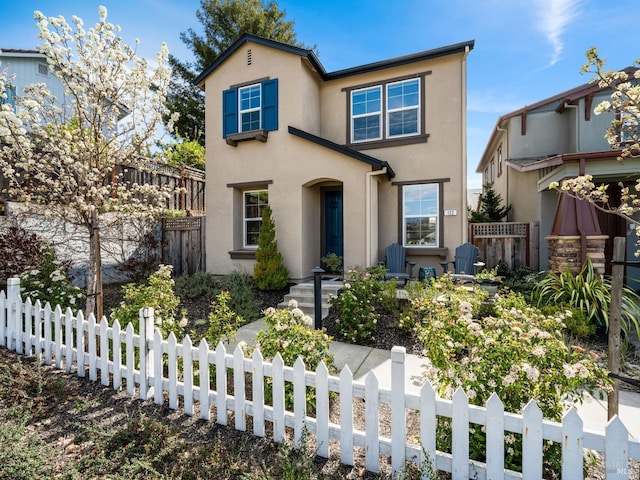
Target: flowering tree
(62, 158)
(623, 134)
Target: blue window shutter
(229, 112)
(270, 104)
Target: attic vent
(43, 69)
(249, 56)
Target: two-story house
(556, 138)
(26, 67)
(349, 161)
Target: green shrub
(269, 272)
(50, 283)
(590, 292)
(200, 284)
(290, 333)
(577, 323)
(242, 299)
(522, 280)
(356, 305)
(223, 322)
(158, 293)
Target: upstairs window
(389, 111)
(254, 203)
(366, 114)
(403, 108)
(250, 107)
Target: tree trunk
(94, 283)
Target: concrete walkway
(361, 360)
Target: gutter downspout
(463, 96)
(505, 155)
(367, 214)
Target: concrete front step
(303, 294)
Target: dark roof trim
(313, 59)
(247, 37)
(404, 60)
(20, 50)
(374, 162)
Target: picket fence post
(13, 312)
(398, 417)
(147, 324)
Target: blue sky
(525, 50)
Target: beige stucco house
(557, 138)
(350, 161)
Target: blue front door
(333, 239)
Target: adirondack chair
(465, 262)
(396, 262)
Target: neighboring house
(26, 67)
(350, 161)
(549, 141)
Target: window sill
(243, 254)
(389, 142)
(427, 252)
(260, 135)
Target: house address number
(450, 212)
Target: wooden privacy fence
(516, 244)
(180, 374)
(188, 183)
(183, 244)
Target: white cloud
(553, 18)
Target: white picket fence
(164, 370)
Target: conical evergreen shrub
(269, 272)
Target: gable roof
(313, 59)
(374, 162)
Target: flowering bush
(157, 293)
(50, 283)
(438, 298)
(356, 305)
(290, 333)
(519, 353)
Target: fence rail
(180, 373)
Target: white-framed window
(249, 107)
(421, 215)
(366, 114)
(629, 128)
(254, 202)
(403, 108)
(391, 110)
